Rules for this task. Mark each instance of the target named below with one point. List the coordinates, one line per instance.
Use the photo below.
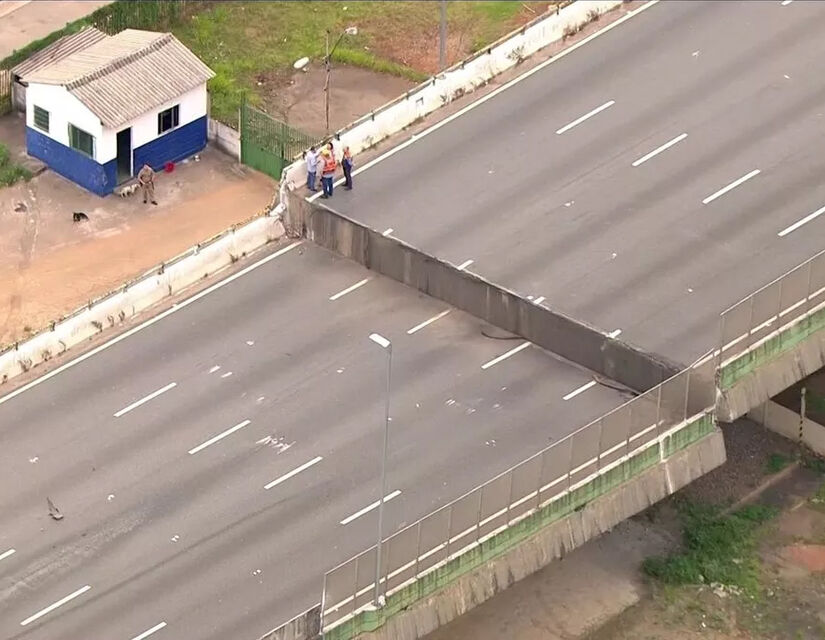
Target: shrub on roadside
(11, 172)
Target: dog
(79, 216)
(128, 190)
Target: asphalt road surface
(157, 451)
(639, 183)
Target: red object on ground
(169, 167)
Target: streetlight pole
(442, 49)
(385, 344)
(349, 31)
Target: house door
(124, 155)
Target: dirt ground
(354, 92)
(598, 592)
(50, 265)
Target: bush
(9, 171)
(717, 549)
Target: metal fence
(267, 144)
(788, 297)
(512, 495)
(5, 91)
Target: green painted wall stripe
(750, 361)
(365, 621)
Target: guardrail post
(478, 513)
(722, 323)
(810, 277)
(541, 476)
(658, 408)
(449, 529)
(417, 548)
(323, 604)
(687, 395)
(509, 498)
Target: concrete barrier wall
(778, 361)
(306, 626)
(567, 522)
(118, 306)
(225, 138)
(791, 425)
(505, 309)
(460, 79)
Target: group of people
(325, 162)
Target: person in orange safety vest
(328, 172)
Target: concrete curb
(163, 281)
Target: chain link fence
(509, 497)
(790, 296)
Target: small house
(98, 115)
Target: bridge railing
(505, 499)
(790, 296)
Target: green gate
(267, 144)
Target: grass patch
(11, 172)
(717, 549)
(776, 462)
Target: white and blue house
(99, 114)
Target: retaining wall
(551, 330)
(224, 138)
(462, 78)
(597, 504)
(118, 306)
(791, 425)
(770, 366)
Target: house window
(168, 119)
(81, 141)
(41, 119)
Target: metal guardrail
(517, 492)
(790, 296)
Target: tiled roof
(57, 50)
(126, 75)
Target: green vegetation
(776, 462)
(717, 549)
(11, 172)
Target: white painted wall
(193, 105)
(64, 109)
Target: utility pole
(442, 49)
(326, 82)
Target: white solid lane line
(151, 396)
(369, 508)
(732, 185)
(504, 356)
(218, 437)
(341, 294)
(581, 389)
(294, 472)
(804, 220)
(149, 632)
(658, 150)
(54, 606)
(427, 323)
(182, 305)
(566, 52)
(6, 554)
(586, 116)
(465, 264)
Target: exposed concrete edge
(460, 79)
(567, 522)
(567, 337)
(163, 281)
(791, 425)
(304, 626)
(778, 361)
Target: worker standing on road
(146, 180)
(346, 164)
(328, 174)
(311, 158)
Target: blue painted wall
(77, 167)
(173, 146)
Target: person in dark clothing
(346, 165)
